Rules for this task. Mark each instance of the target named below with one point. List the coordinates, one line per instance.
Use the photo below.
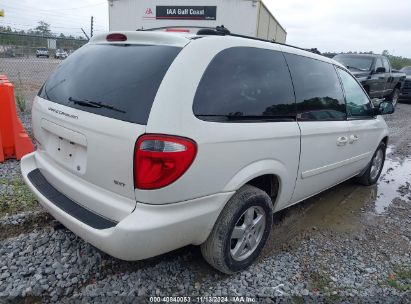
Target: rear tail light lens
(160, 160)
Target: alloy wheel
(247, 233)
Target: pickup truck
(375, 74)
(406, 89)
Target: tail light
(160, 160)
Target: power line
(52, 26)
(75, 8)
(55, 23)
(54, 9)
(30, 12)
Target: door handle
(342, 140)
(353, 138)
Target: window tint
(245, 82)
(354, 62)
(358, 104)
(386, 64)
(317, 89)
(123, 76)
(378, 64)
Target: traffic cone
(14, 141)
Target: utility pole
(91, 26)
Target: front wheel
(373, 171)
(240, 232)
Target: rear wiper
(83, 102)
(94, 104)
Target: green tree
(43, 28)
(397, 62)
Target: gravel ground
(348, 244)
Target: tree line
(397, 62)
(42, 29)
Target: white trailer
(246, 17)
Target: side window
(245, 82)
(386, 64)
(378, 64)
(358, 104)
(317, 89)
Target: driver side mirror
(385, 108)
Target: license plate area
(66, 147)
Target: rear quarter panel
(229, 154)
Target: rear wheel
(240, 232)
(373, 171)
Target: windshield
(406, 70)
(123, 77)
(355, 62)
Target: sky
(346, 25)
(329, 25)
(66, 17)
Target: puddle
(340, 208)
(394, 182)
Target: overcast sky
(347, 25)
(329, 25)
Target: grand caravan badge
(63, 113)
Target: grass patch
(297, 300)
(21, 103)
(401, 278)
(15, 197)
(319, 281)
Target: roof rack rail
(222, 31)
(173, 26)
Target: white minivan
(151, 141)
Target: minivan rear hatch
(93, 107)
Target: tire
(372, 174)
(220, 247)
(394, 96)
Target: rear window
(123, 78)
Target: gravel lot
(348, 244)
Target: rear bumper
(148, 231)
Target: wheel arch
(267, 175)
